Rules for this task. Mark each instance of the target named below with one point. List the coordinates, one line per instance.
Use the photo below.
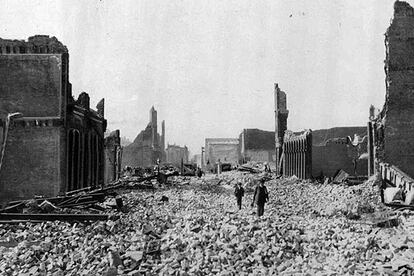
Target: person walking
(261, 196)
(239, 193)
(199, 172)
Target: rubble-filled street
(193, 227)
(227, 138)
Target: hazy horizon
(209, 67)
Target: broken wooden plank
(79, 204)
(13, 208)
(51, 217)
(71, 193)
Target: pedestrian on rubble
(199, 172)
(239, 193)
(219, 167)
(261, 196)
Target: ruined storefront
(54, 142)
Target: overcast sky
(209, 67)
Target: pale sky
(209, 67)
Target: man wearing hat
(261, 196)
(239, 193)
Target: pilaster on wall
(297, 151)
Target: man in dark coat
(239, 193)
(199, 172)
(261, 196)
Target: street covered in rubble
(192, 226)
(223, 138)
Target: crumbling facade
(281, 115)
(339, 148)
(148, 147)
(322, 153)
(257, 145)
(392, 130)
(54, 143)
(113, 156)
(225, 150)
(177, 155)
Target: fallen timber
(82, 198)
(52, 217)
(85, 196)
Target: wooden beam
(52, 217)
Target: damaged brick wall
(21, 75)
(281, 115)
(57, 143)
(38, 173)
(113, 156)
(36, 86)
(332, 151)
(257, 145)
(396, 145)
(176, 154)
(225, 149)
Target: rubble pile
(196, 229)
(332, 199)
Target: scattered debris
(340, 176)
(305, 229)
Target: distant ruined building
(257, 145)
(177, 155)
(225, 150)
(51, 142)
(148, 146)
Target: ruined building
(177, 155)
(113, 156)
(391, 132)
(224, 149)
(148, 146)
(257, 145)
(51, 142)
(196, 159)
(395, 124)
(318, 153)
(281, 115)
